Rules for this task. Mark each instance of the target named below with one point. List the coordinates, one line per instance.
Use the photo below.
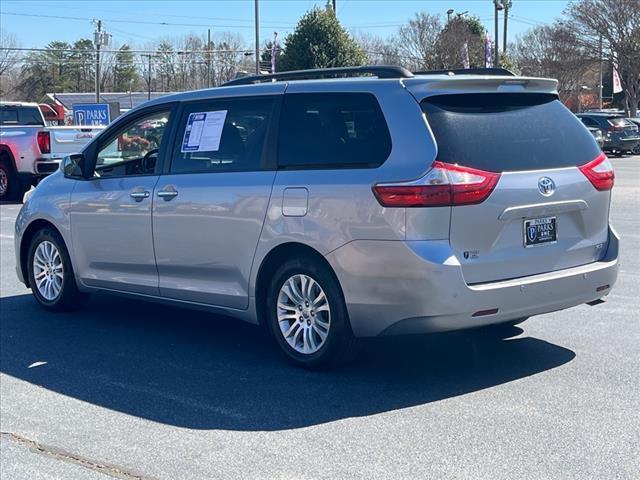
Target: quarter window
(332, 130)
(222, 136)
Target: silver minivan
(327, 209)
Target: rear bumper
(621, 143)
(394, 287)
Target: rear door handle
(168, 193)
(139, 196)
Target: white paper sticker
(203, 131)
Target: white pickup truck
(29, 150)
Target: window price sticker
(203, 131)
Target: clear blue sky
(380, 17)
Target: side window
(222, 135)
(134, 151)
(589, 122)
(332, 130)
(30, 116)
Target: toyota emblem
(546, 186)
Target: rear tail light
(599, 172)
(444, 185)
(44, 142)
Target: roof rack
(469, 71)
(380, 71)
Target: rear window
(505, 132)
(332, 130)
(8, 116)
(21, 116)
(620, 122)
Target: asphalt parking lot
(132, 390)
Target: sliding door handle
(168, 193)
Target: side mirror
(72, 166)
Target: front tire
(307, 315)
(50, 272)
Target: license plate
(540, 231)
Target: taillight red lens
(44, 142)
(444, 185)
(599, 172)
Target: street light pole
(449, 13)
(257, 15)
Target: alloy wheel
(304, 315)
(48, 271)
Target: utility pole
(507, 5)
(257, 52)
(208, 57)
(600, 75)
(148, 55)
(100, 38)
(497, 6)
(333, 2)
(98, 42)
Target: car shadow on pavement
(196, 370)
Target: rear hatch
(624, 127)
(549, 207)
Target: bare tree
(554, 51)
(379, 51)
(9, 60)
(227, 58)
(617, 23)
(417, 41)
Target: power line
(75, 50)
(229, 19)
(137, 22)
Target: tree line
(570, 49)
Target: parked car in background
(636, 120)
(620, 134)
(597, 134)
(29, 150)
(336, 208)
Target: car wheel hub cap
(48, 270)
(304, 315)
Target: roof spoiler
(494, 72)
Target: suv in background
(29, 150)
(329, 209)
(620, 134)
(636, 120)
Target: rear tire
(11, 188)
(50, 272)
(307, 315)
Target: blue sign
(91, 114)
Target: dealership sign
(91, 114)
